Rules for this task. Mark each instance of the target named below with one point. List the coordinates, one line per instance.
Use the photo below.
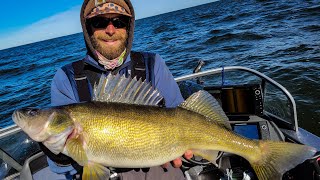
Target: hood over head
(92, 8)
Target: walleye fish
(123, 128)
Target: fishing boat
(257, 106)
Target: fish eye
(33, 112)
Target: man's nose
(110, 29)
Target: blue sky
(24, 22)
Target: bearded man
(108, 27)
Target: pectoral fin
(95, 171)
(91, 171)
(76, 150)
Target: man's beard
(107, 51)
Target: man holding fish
(108, 27)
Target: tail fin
(279, 157)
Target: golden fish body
(122, 135)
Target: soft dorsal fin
(117, 88)
(205, 104)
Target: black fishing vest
(142, 66)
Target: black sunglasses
(102, 22)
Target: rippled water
(279, 38)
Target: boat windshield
(277, 101)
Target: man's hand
(177, 163)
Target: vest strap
(138, 68)
(81, 81)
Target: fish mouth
(34, 131)
(16, 117)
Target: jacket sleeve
(166, 84)
(61, 90)
(67, 170)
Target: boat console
(244, 107)
(239, 99)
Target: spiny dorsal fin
(205, 104)
(117, 88)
